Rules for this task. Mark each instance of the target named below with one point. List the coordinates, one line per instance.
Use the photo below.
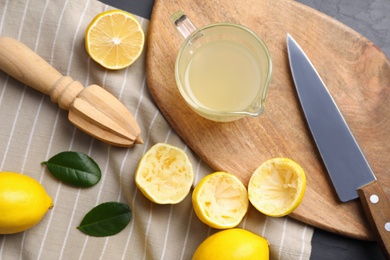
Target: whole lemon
(233, 244)
(23, 202)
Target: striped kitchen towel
(33, 129)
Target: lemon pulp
(114, 39)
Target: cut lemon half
(164, 174)
(220, 200)
(114, 39)
(277, 187)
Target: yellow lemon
(233, 244)
(220, 200)
(277, 187)
(23, 202)
(164, 174)
(114, 39)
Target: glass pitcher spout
(183, 23)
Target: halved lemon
(277, 187)
(114, 39)
(164, 174)
(220, 200)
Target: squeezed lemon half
(277, 187)
(114, 39)
(220, 200)
(164, 174)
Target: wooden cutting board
(356, 72)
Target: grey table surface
(371, 18)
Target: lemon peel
(235, 243)
(23, 202)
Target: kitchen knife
(348, 169)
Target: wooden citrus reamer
(92, 109)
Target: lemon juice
(223, 76)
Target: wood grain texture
(355, 71)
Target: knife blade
(346, 164)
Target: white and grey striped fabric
(32, 129)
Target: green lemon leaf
(106, 219)
(74, 168)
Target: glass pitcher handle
(183, 23)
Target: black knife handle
(377, 208)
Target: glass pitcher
(222, 70)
